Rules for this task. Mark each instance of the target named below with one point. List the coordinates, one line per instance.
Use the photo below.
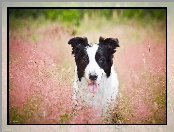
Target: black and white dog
(96, 82)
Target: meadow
(41, 66)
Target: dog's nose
(92, 77)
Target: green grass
(63, 118)
(15, 117)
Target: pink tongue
(93, 87)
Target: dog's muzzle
(93, 77)
(92, 84)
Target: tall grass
(42, 68)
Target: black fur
(79, 45)
(104, 55)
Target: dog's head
(93, 61)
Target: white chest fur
(107, 91)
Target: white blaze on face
(93, 68)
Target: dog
(96, 82)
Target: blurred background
(41, 67)
(74, 18)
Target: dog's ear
(78, 40)
(78, 43)
(110, 43)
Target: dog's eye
(101, 60)
(85, 60)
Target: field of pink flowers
(41, 73)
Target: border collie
(96, 82)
